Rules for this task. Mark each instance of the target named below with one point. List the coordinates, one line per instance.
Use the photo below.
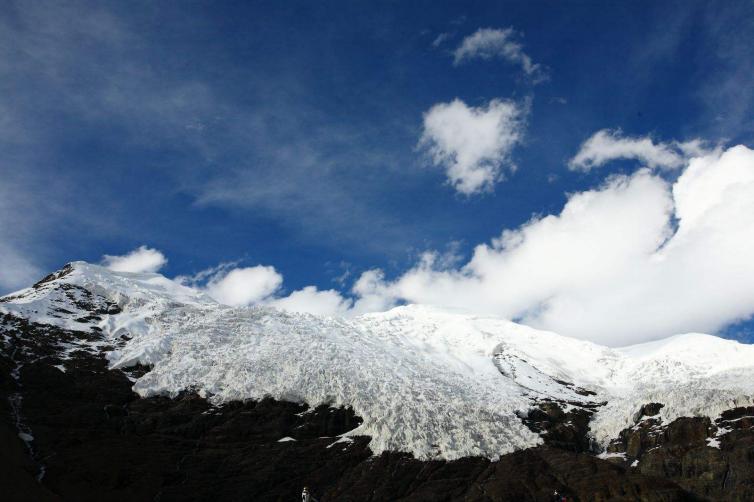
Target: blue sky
(287, 134)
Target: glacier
(435, 383)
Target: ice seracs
(433, 383)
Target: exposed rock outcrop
(714, 460)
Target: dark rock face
(650, 409)
(531, 474)
(567, 430)
(71, 429)
(715, 461)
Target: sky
(584, 167)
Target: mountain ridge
(100, 368)
(437, 362)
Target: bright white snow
(606, 455)
(433, 383)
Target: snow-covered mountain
(433, 383)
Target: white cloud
(313, 301)
(472, 144)
(373, 293)
(244, 286)
(488, 43)
(612, 266)
(141, 259)
(606, 145)
(261, 285)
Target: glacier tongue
(425, 381)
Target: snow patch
(341, 440)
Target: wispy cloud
(441, 39)
(723, 69)
(725, 92)
(278, 155)
(608, 145)
(489, 43)
(73, 68)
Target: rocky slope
(76, 346)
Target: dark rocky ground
(680, 452)
(94, 439)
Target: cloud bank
(607, 145)
(489, 43)
(635, 259)
(472, 144)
